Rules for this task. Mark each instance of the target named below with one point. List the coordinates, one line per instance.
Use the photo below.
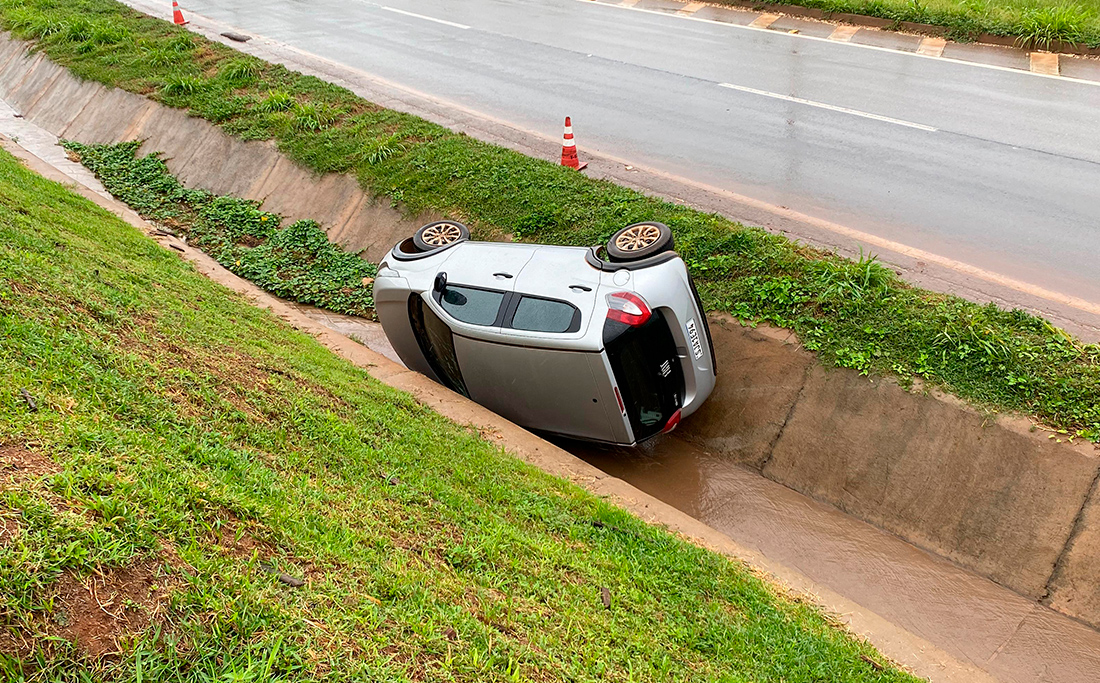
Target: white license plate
(693, 335)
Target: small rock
(240, 38)
(605, 595)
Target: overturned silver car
(603, 344)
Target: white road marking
(830, 107)
(951, 60)
(421, 16)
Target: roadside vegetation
(296, 262)
(192, 491)
(855, 314)
(1034, 23)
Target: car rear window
(470, 305)
(437, 344)
(535, 314)
(649, 375)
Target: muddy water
(969, 617)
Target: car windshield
(649, 375)
(437, 344)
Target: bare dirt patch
(98, 611)
(9, 526)
(18, 465)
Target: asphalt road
(997, 169)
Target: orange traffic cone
(177, 15)
(569, 148)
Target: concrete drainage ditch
(991, 495)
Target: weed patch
(295, 262)
(1034, 23)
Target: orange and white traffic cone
(177, 15)
(569, 148)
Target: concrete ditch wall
(988, 494)
(197, 153)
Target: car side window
(437, 344)
(536, 314)
(470, 305)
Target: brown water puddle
(968, 617)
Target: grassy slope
(1034, 22)
(186, 437)
(855, 314)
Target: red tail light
(672, 422)
(627, 308)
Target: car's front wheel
(440, 234)
(639, 241)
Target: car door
(479, 279)
(535, 373)
(553, 275)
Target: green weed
(296, 262)
(276, 101)
(183, 85)
(1041, 26)
(240, 72)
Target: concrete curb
(905, 648)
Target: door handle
(503, 275)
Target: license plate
(693, 335)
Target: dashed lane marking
(426, 18)
(629, 4)
(830, 107)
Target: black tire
(639, 241)
(440, 234)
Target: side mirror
(440, 282)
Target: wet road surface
(998, 169)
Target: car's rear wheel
(639, 241)
(440, 234)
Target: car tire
(639, 241)
(440, 234)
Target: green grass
(1034, 23)
(187, 448)
(296, 262)
(854, 314)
